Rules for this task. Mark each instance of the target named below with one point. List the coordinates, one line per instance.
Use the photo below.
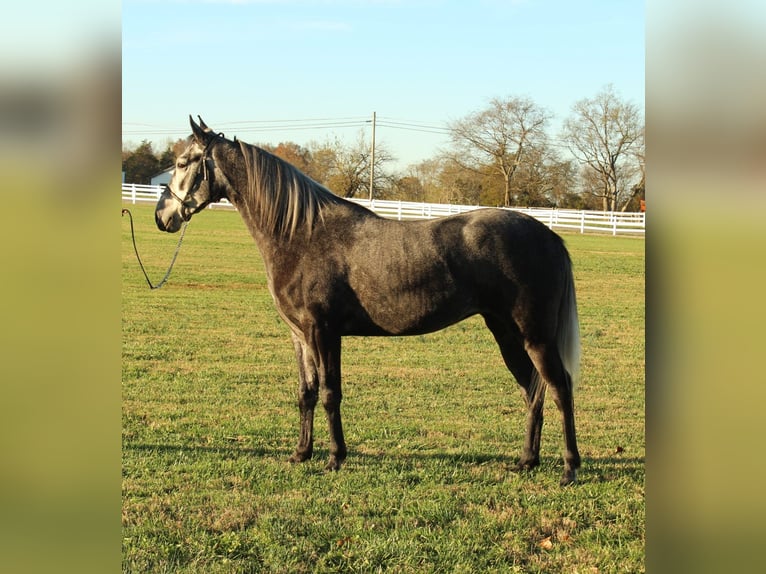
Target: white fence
(614, 223)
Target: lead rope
(178, 248)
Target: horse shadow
(594, 469)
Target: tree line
(500, 155)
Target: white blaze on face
(189, 190)
(171, 211)
(168, 213)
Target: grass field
(433, 425)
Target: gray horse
(335, 268)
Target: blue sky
(248, 65)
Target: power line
(256, 126)
(291, 121)
(415, 125)
(413, 128)
(308, 124)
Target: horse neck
(238, 192)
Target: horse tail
(568, 331)
(567, 335)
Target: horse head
(193, 185)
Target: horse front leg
(331, 395)
(307, 400)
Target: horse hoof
(524, 465)
(569, 478)
(299, 457)
(333, 465)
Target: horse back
(372, 276)
(413, 277)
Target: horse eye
(181, 164)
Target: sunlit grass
(433, 425)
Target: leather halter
(205, 174)
(205, 171)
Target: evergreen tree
(141, 165)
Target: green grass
(433, 425)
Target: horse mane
(280, 197)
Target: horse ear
(198, 132)
(202, 124)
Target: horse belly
(418, 283)
(411, 311)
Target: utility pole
(372, 157)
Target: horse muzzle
(168, 219)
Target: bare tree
(499, 138)
(345, 169)
(638, 190)
(544, 179)
(293, 153)
(606, 135)
(405, 188)
(427, 173)
(438, 181)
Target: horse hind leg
(534, 396)
(520, 365)
(548, 364)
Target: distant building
(163, 177)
